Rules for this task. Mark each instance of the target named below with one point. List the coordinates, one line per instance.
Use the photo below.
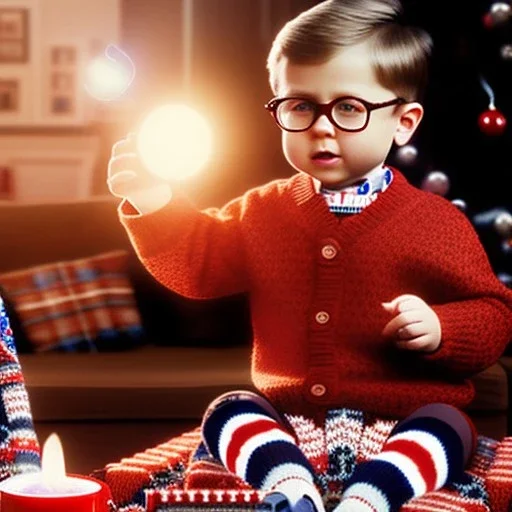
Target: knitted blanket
(180, 476)
(19, 447)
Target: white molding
(67, 161)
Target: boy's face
(347, 74)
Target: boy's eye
(350, 107)
(301, 106)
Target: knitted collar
(356, 197)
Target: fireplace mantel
(49, 165)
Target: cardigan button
(318, 390)
(329, 252)
(322, 317)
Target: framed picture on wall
(13, 34)
(62, 82)
(63, 69)
(9, 96)
(63, 56)
(6, 183)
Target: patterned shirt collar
(357, 196)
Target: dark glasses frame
(325, 109)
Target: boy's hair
(399, 53)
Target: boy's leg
(244, 432)
(423, 452)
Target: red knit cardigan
(316, 283)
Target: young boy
(369, 296)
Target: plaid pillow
(80, 305)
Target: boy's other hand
(414, 326)
(128, 179)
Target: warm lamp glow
(108, 77)
(174, 142)
(53, 468)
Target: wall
(50, 145)
(85, 26)
(228, 82)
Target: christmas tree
(462, 149)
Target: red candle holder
(24, 493)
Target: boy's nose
(323, 126)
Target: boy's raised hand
(128, 178)
(414, 326)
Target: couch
(107, 405)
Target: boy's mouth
(324, 156)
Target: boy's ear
(410, 117)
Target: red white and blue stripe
(19, 447)
(421, 455)
(355, 198)
(254, 444)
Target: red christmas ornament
(492, 122)
(487, 21)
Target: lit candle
(52, 490)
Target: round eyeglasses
(347, 113)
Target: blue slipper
(274, 502)
(278, 502)
(305, 504)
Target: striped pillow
(80, 305)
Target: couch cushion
(78, 305)
(145, 383)
(77, 229)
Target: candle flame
(52, 462)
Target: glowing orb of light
(108, 76)
(174, 142)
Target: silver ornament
(506, 246)
(500, 12)
(505, 278)
(460, 204)
(503, 224)
(407, 154)
(436, 182)
(506, 52)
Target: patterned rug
(180, 476)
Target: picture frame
(14, 35)
(7, 191)
(9, 96)
(62, 82)
(62, 86)
(63, 56)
